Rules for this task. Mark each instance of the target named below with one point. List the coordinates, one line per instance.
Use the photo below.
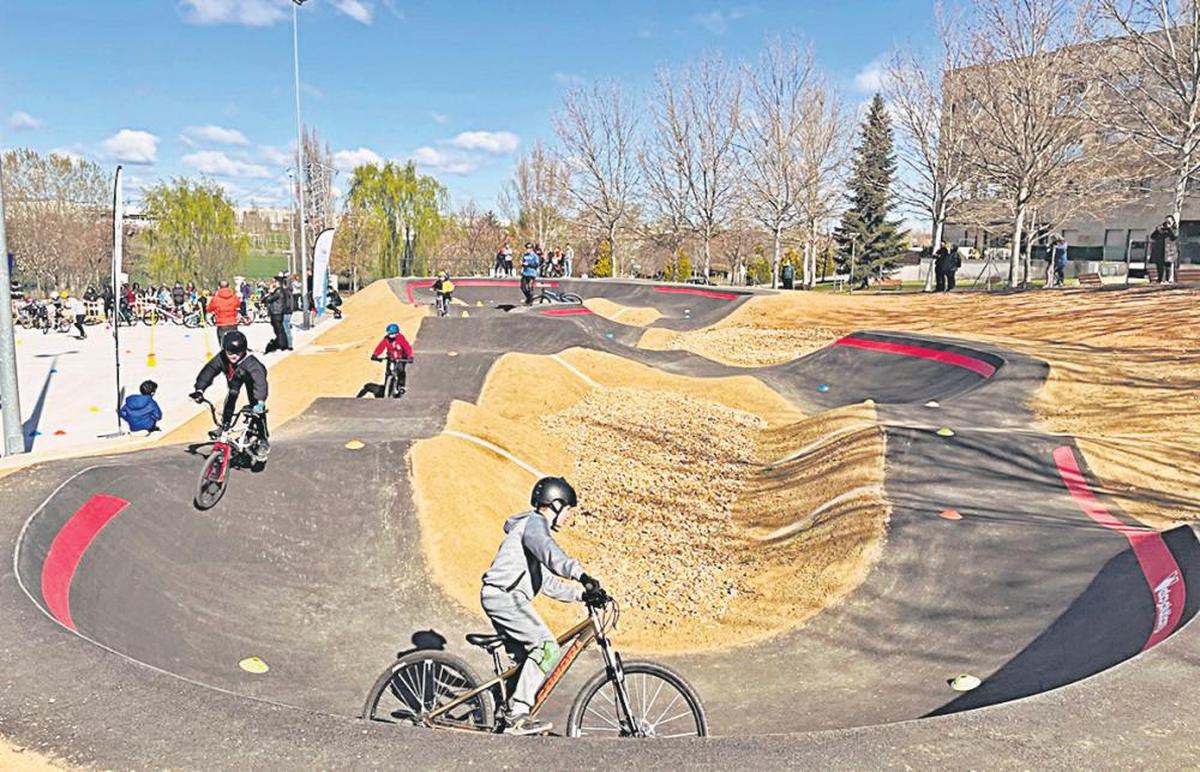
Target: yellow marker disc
(479, 302)
(355, 445)
(254, 665)
(932, 403)
(465, 314)
(93, 409)
(964, 682)
(945, 431)
(868, 402)
(451, 353)
(950, 514)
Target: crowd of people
(553, 263)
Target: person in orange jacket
(224, 308)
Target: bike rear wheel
(214, 479)
(421, 682)
(570, 297)
(663, 704)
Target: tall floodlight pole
(300, 165)
(10, 397)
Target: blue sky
(191, 87)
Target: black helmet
(234, 343)
(553, 492)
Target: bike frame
(582, 635)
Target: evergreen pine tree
(878, 241)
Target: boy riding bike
(529, 561)
(241, 369)
(398, 351)
(443, 290)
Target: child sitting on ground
(140, 410)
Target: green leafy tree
(602, 265)
(411, 209)
(194, 234)
(877, 242)
(680, 267)
(759, 270)
(357, 243)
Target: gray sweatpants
(527, 639)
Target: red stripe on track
(1158, 565)
(986, 369)
(565, 312)
(67, 549)
(701, 292)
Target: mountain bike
(236, 446)
(438, 690)
(548, 295)
(158, 314)
(395, 377)
(441, 303)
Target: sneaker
(261, 449)
(524, 725)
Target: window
(1115, 242)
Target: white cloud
(347, 160)
(275, 156)
(439, 117)
(132, 147)
(216, 135)
(498, 142)
(871, 77)
(251, 13)
(218, 164)
(355, 9)
(23, 121)
(568, 79)
(447, 163)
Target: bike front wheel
(662, 704)
(419, 683)
(214, 479)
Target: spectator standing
(1059, 255)
(224, 308)
(941, 260)
(89, 295)
(508, 261)
(529, 272)
(107, 296)
(178, 296)
(278, 301)
(1163, 249)
(244, 290)
(568, 261)
(952, 266)
(498, 267)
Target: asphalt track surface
(314, 565)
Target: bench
(888, 284)
(1187, 272)
(1090, 280)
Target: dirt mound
(634, 316)
(742, 346)
(712, 509)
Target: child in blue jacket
(140, 411)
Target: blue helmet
(393, 329)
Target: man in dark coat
(279, 303)
(943, 259)
(1162, 247)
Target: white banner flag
(321, 252)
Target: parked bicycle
(438, 690)
(548, 295)
(155, 313)
(236, 447)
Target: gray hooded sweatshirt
(528, 547)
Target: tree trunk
(707, 251)
(612, 248)
(939, 226)
(1014, 255)
(778, 234)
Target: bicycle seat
(485, 641)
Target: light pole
(10, 397)
(303, 256)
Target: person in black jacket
(279, 304)
(242, 370)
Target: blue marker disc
(823, 387)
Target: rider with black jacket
(241, 369)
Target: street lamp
(10, 398)
(300, 165)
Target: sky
(205, 87)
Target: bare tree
(1022, 115)
(664, 159)
(769, 140)
(929, 132)
(536, 197)
(823, 154)
(712, 95)
(1149, 76)
(598, 129)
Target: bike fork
(616, 673)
